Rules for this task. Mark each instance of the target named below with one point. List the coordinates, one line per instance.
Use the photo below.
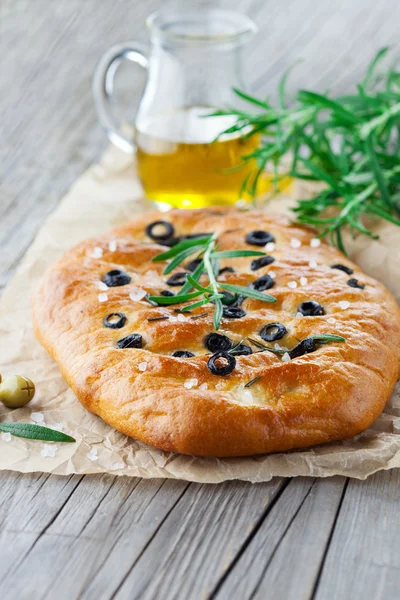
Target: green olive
(16, 391)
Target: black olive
(193, 236)
(239, 301)
(171, 242)
(306, 346)
(259, 238)
(192, 266)
(226, 270)
(228, 298)
(233, 312)
(167, 293)
(134, 340)
(310, 308)
(116, 278)
(215, 342)
(167, 231)
(343, 268)
(354, 283)
(177, 279)
(263, 283)
(273, 332)
(242, 350)
(224, 369)
(110, 321)
(183, 354)
(261, 262)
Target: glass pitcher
(194, 64)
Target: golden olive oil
(180, 163)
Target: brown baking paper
(105, 196)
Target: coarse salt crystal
(270, 247)
(48, 451)
(117, 466)
(102, 286)
(303, 280)
(344, 304)
(37, 417)
(285, 357)
(295, 243)
(97, 252)
(137, 294)
(299, 315)
(190, 383)
(203, 386)
(102, 297)
(181, 318)
(292, 285)
(92, 454)
(272, 274)
(315, 243)
(112, 246)
(173, 319)
(6, 437)
(331, 320)
(247, 397)
(142, 366)
(313, 264)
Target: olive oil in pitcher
(181, 163)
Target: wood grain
(107, 537)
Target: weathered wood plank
(104, 513)
(363, 559)
(195, 544)
(283, 559)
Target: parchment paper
(105, 196)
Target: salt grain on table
(48, 450)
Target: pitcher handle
(103, 87)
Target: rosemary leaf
(327, 337)
(250, 383)
(247, 292)
(218, 314)
(173, 299)
(180, 257)
(179, 247)
(237, 253)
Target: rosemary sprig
(351, 143)
(206, 248)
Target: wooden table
(109, 537)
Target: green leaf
(197, 285)
(371, 67)
(181, 246)
(195, 275)
(176, 261)
(247, 292)
(376, 168)
(161, 300)
(252, 99)
(35, 432)
(327, 337)
(236, 253)
(218, 312)
(190, 307)
(328, 103)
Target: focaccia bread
(151, 372)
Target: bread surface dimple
(177, 403)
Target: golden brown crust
(331, 394)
